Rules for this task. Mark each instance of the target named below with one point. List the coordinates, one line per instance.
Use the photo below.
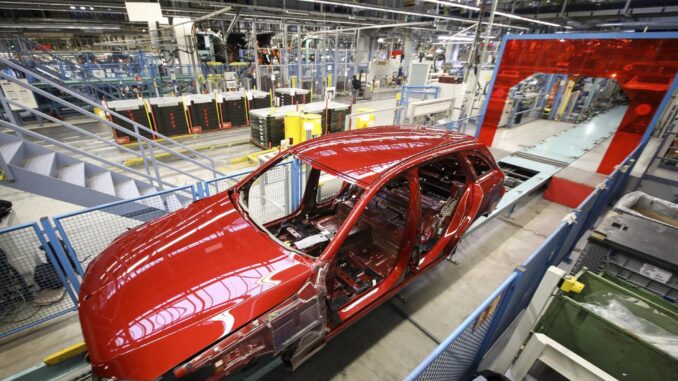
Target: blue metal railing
(25, 276)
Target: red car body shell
(168, 289)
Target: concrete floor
(393, 339)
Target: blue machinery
(81, 248)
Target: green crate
(609, 346)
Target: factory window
(480, 165)
(441, 183)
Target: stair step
(74, 174)
(10, 150)
(147, 190)
(42, 164)
(102, 182)
(127, 189)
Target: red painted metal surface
(362, 157)
(567, 192)
(205, 289)
(167, 289)
(644, 68)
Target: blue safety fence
(220, 184)
(457, 357)
(33, 286)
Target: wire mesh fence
(269, 195)
(454, 358)
(221, 184)
(86, 233)
(33, 287)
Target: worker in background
(355, 83)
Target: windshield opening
(299, 206)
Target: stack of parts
(290, 96)
(260, 99)
(202, 109)
(268, 128)
(233, 109)
(336, 116)
(169, 116)
(135, 110)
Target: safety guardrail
(457, 357)
(33, 286)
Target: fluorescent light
(402, 12)
(72, 7)
(296, 13)
(456, 5)
(516, 17)
(91, 8)
(83, 8)
(504, 14)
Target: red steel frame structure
(644, 65)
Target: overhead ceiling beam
(497, 13)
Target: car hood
(166, 290)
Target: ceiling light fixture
(504, 14)
(401, 12)
(296, 13)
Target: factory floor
(389, 342)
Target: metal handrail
(62, 123)
(57, 143)
(211, 167)
(114, 126)
(94, 104)
(44, 68)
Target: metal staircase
(71, 174)
(31, 167)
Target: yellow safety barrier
(65, 354)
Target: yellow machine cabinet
(293, 127)
(311, 126)
(365, 119)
